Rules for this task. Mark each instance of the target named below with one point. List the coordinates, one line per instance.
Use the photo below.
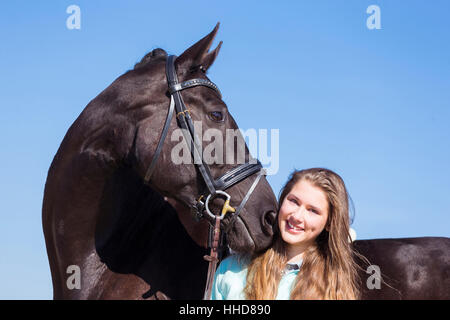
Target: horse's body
(411, 268)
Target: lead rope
(212, 258)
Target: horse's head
(174, 173)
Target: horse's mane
(156, 54)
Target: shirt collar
(293, 266)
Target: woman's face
(303, 214)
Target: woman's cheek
(317, 223)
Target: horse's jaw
(239, 238)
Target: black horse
(99, 217)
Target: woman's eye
(294, 201)
(216, 116)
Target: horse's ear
(198, 55)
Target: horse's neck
(102, 199)
(73, 188)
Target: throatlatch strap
(152, 166)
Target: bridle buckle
(197, 209)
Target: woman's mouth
(292, 229)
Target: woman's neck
(295, 253)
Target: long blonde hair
(329, 270)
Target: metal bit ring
(226, 207)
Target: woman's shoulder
(230, 278)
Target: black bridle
(216, 187)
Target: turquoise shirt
(230, 280)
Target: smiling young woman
(311, 257)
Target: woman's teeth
(292, 227)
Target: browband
(193, 83)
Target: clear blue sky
(372, 105)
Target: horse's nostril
(269, 218)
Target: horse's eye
(216, 116)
